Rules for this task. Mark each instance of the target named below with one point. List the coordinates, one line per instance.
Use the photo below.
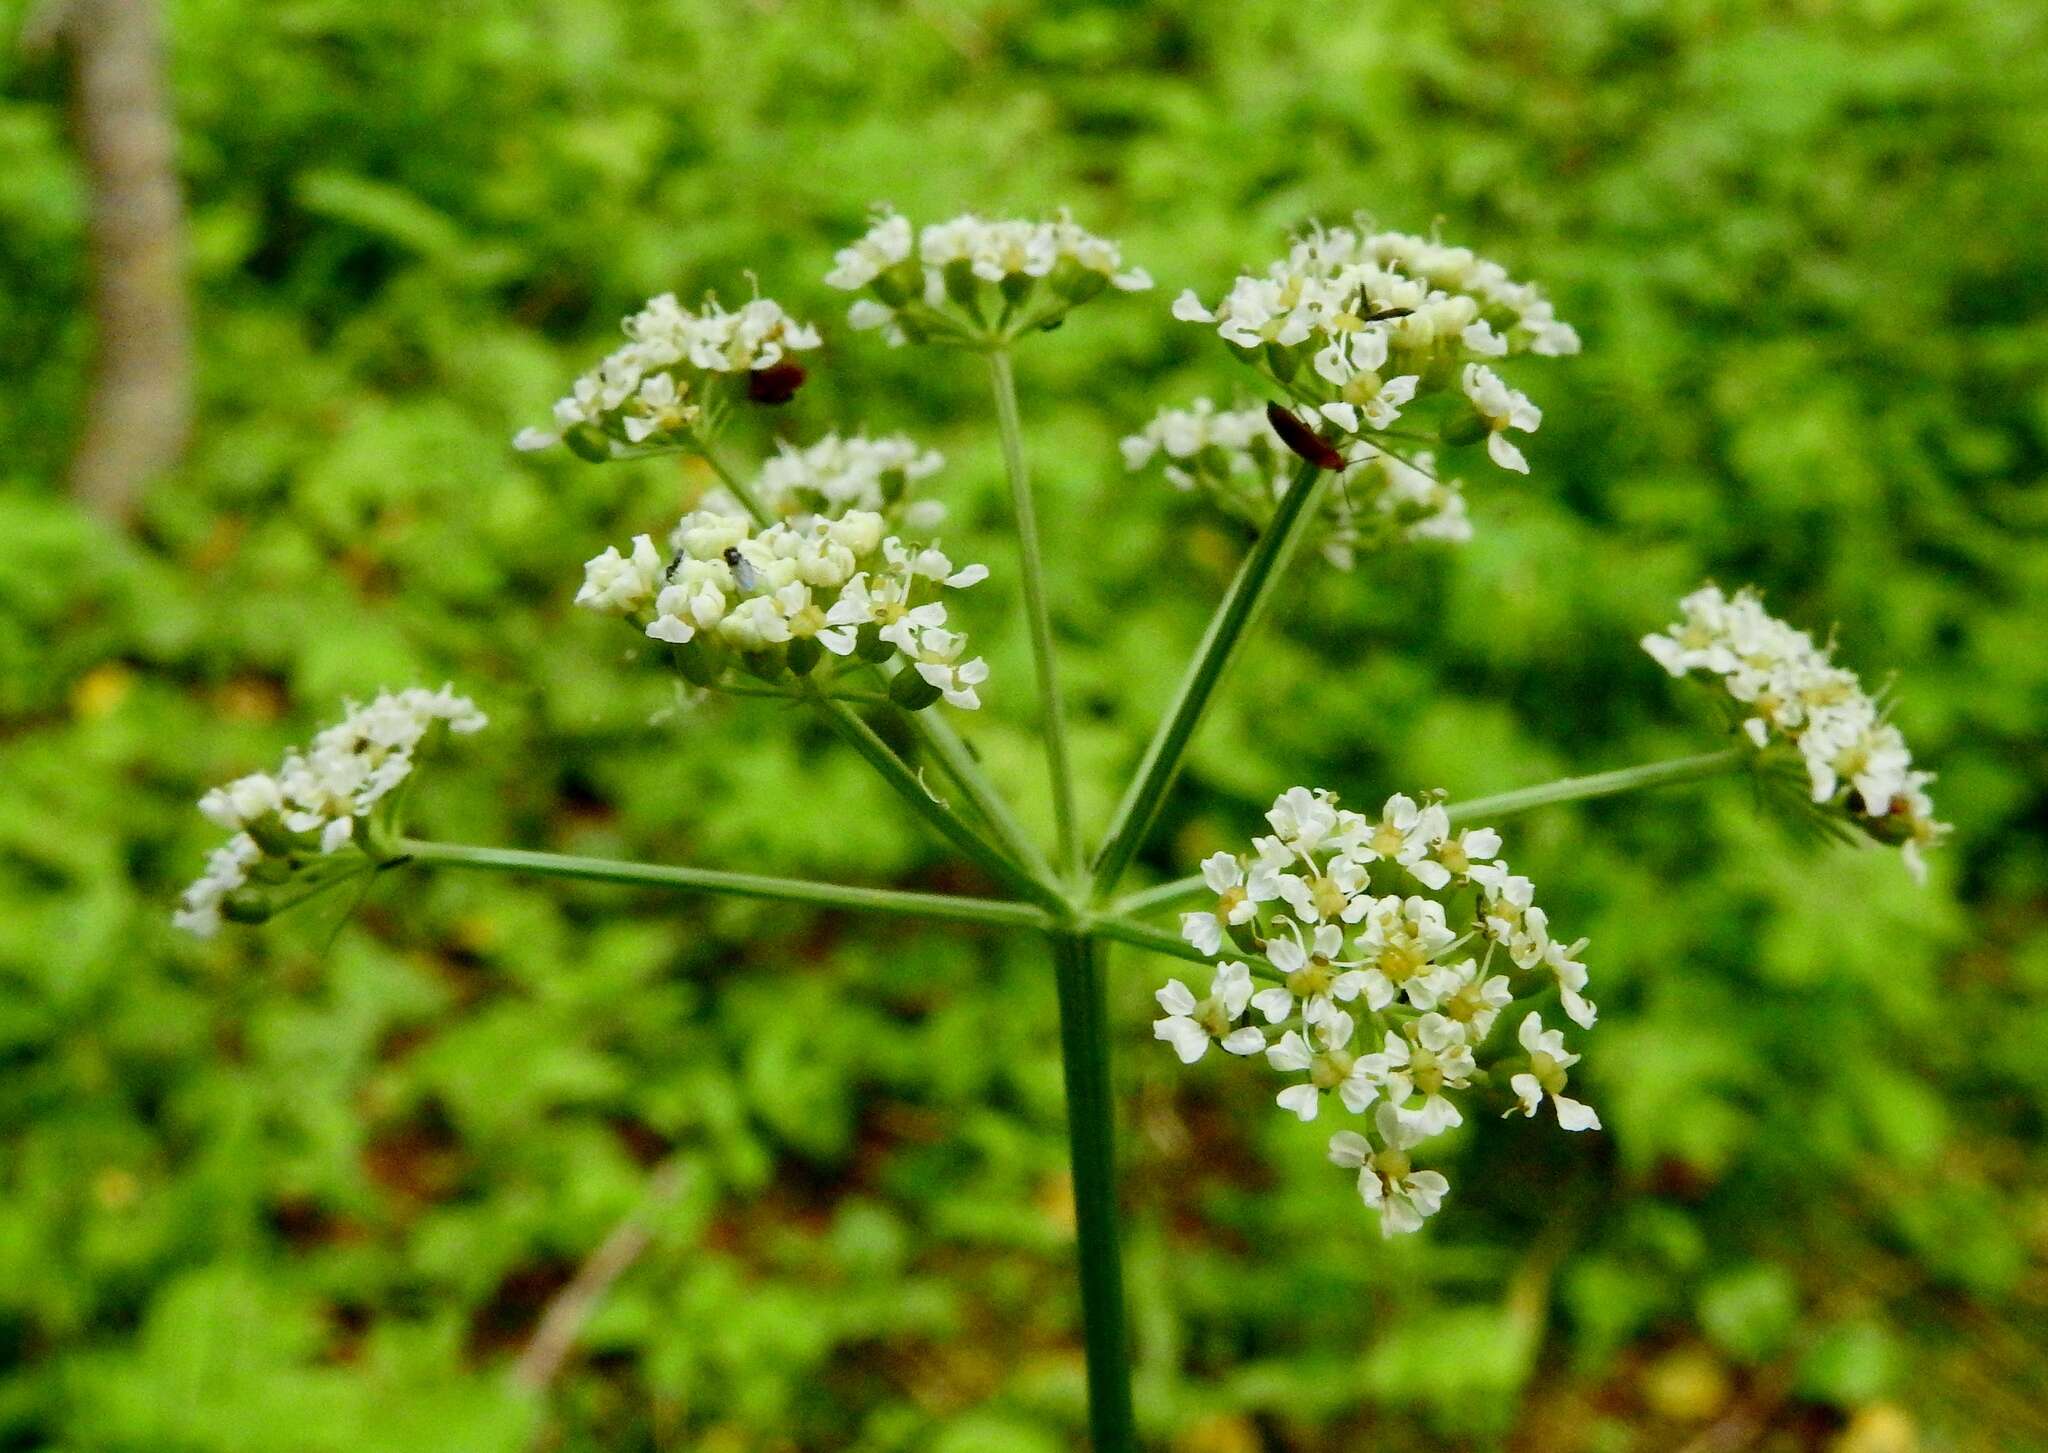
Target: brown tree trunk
(139, 411)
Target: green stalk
(1602, 784)
(1145, 936)
(742, 492)
(1091, 1143)
(953, 753)
(1504, 804)
(1052, 717)
(737, 885)
(784, 693)
(949, 824)
(1240, 607)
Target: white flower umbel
(677, 376)
(776, 601)
(1390, 947)
(835, 475)
(290, 826)
(973, 281)
(1368, 330)
(1787, 690)
(1234, 459)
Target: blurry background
(282, 1193)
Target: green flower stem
(1145, 936)
(938, 737)
(1603, 784)
(1172, 945)
(1505, 804)
(1091, 1141)
(1052, 717)
(1241, 606)
(739, 885)
(949, 824)
(784, 693)
(744, 493)
(1171, 894)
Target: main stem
(1052, 716)
(1091, 1142)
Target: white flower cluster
(971, 280)
(1234, 457)
(284, 821)
(1390, 946)
(1789, 690)
(773, 600)
(1365, 327)
(676, 375)
(835, 475)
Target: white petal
(1275, 1003)
(1503, 452)
(1248, 1040)
(1575, 1114)
(1176, 998)
(1301, 1100)
(1189, 1040)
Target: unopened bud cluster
(1395, 955)
(775, 601)
(827, 479)
(1366, 328)
(289, 826)
(975, 282)
(677, 376)
(1787, 689)
(1233, 457)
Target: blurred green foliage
(310, 1190)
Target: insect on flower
(1303, 440)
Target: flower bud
(901, 284)
(912, 692)
(248, 905)
(962, 286)
(701, 662)
(1075, 283)
(586, 442)
(804, 655)
(1468, 427)
(870, 646)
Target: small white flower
(1191, 1025)
(1461, 993)
(1548, 1061)
(1400, 940)
(619, 583)
(1387, 1182)
(1407, 834)
(1236, 902)
(1326, 1058)
(886, 244)
(1501, 408)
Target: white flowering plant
(1388, 967)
